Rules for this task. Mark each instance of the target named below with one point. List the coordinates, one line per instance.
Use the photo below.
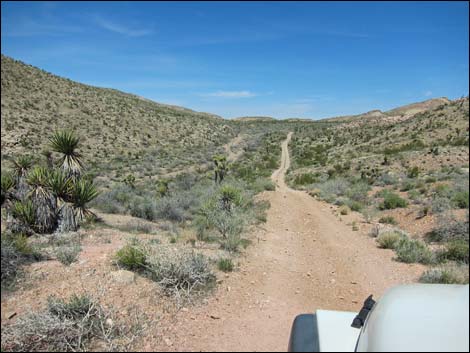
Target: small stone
(109, 322)
(123, 276)
(215, 317)
(168, 342)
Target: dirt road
(305, 259)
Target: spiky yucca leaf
(22, 164)
(38, 177)
(66, 143)
(24, 211)
(83, 191)
(8, 184)
(59, 184)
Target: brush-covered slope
(120, 133)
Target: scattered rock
(168, 342)
(215, 317)
(123, 276)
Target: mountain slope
(119, 132)
(403, 112)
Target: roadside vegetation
(396, 171)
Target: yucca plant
(65, 143)
(83, 191)
(44, 202)
(60, 185)
(8, 184)
(21, 165)
(23, 216)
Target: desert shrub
(344, 210)
(116, 200)
(232, 242)
(226, 211)
(175, 207)
(225, 265)
(262, 184)
(11, 261)
(67, 254)
(65, 326)
(132, 257)
(331, 189)
(449, 228)
(137, 226)
(354, 205)
(142, 207)
(446, 274)
(388, 220)
(413, 172)
(391, 201)
(461, 199)
(387, 179)
(389, 239)
(181, 272)
(305, 179)
(413, 251)
(15, 251)
(457, 250)
(408, 185)
(440, 204)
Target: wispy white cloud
(428, 93)
(27, 27)
(230, 94)
(121, 28)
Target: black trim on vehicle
(304, 334)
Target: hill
(120, 133)
(399, 113)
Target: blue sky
(281, 59)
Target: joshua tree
(221, 168)
(65, 143)
(44, 202)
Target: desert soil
(306, 258)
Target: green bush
(413, 251)
(305, 179)
(413, 172)
(180, 272)
(131, 257)
(392, 200)
(461, 199)
(457, 250)
(448, 274)
(388, 220)
(389, 239)
(344, 210)
(225, 265)
(67, 254)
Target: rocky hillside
(400, 113)
(120, 133)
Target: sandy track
(305, 259)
